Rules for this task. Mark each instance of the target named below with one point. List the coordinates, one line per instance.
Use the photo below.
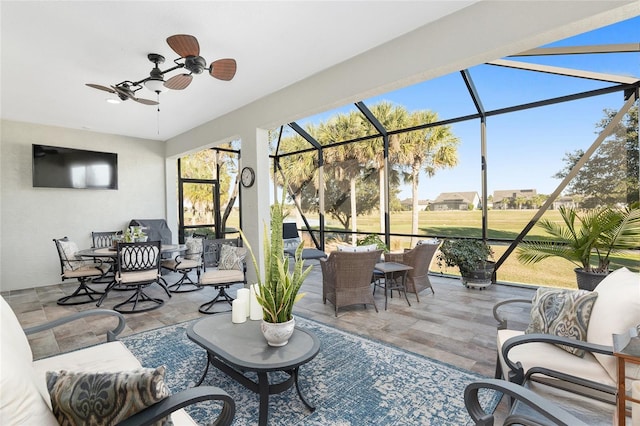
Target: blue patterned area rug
(352, 381)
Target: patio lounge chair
(527, 408)
(537, 360)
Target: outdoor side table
(237, 348)
(626, 349)
(392, 271)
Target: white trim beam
(610, 78)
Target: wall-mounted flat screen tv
(58, 167)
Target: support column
(256, 200)
(171, 196)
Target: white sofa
(24, 398)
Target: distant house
(408, 203)
(564, 201)
(456, 201)
(508, 198)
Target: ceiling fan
(188, 48)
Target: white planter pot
(277, 334)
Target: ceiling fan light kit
(188, 48)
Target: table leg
(386, 283)
(263, 390)
(404, 287)
(312, 408)
(206, 370)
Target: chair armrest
(502, 320)
(537, 403)
(517, 372)
(182, 399)
(112, 335)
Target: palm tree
(299, 170)
(346, 159)
(429, 150)
(391, 117)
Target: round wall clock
(247, 177)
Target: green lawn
(503, 224)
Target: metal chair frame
(174, 265)
(211, 256)
(139, 257)
(83, 289)
(102, 239)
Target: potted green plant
(587, 239)
(277, 290)
(373, 239)
(472, 259)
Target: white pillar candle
(243, 294)
(238, 311)
(255, 310)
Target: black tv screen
(58, 167)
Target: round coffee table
(234, 348)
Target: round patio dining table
(96, 252)
(111, 252)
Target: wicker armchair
(419, 258)
(346, 278)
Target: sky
(524, 149)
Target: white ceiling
(50, 49)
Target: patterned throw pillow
(105, 398)
(72, 262)
(562, 313)
(232, 257)
(194, 248)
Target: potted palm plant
(472, 259)
(277, 290)
(587, 239)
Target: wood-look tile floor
(455, 325)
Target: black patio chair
(291, 240)
(220, 275)
(73, 267)
(139, 267)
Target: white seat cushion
(183, 264)
(617, 309)
(555, 358)
(221, 276)
(134, 277)
(94, 270)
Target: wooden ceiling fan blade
(145, 101)
(184, 45)
(179, 82)
(223, 69)
(99, 87)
